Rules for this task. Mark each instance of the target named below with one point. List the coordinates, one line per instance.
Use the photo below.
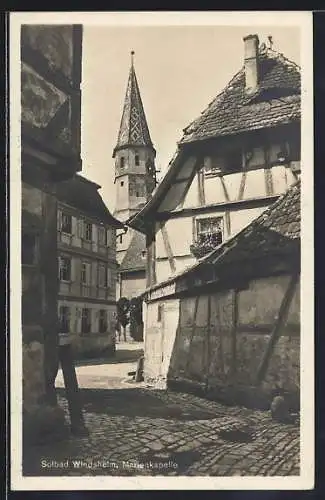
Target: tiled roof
(276, 101)
(134, 129)
(133, 259)
(83, 195)
(276, 230)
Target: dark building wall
(50, 152)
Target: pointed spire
(134, 129)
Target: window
(137, 160)
(66, 223)
(28, 249)
(64, 319)
(210, 231)
(103, 236)
(122, 183)
(102, 321)
(86, 320)
(85, 273)
(103, 276)
(88, 228)
(65, 269)
(121, 238)
(122, 162)
(234, 161)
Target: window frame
(208, 233)
(83, 319)
(69, 260)
(103, 231)
(100, 275)
(67, 319)
(85, 266)
(103, 318)
(87, 225)
(63, 216)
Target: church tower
(135, 174)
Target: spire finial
(132, 57)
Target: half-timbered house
(230, 324)
(233, 161)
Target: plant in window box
(205, 244)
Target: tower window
(122, 162)
(122, 183)
(137, 160)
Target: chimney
(251, 43)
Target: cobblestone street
(140, 431)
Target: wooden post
(167, 246)
(72, 391)
(242, 186)
(208, 342)
(234, 333)
(151, 256)
(268, 173)
(282, 317)
(224, 187)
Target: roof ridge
(279, 56)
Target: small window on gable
(137, 160)
(122, 162)
(122, 183)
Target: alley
(135, 430)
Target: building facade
(50, 153)
(86, 235)
(135, 179)
(233, 161)
(230, 325)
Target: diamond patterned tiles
(134, 129)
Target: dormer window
(233, 161)
(122, 162)
(137, 160)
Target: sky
(180, 69)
